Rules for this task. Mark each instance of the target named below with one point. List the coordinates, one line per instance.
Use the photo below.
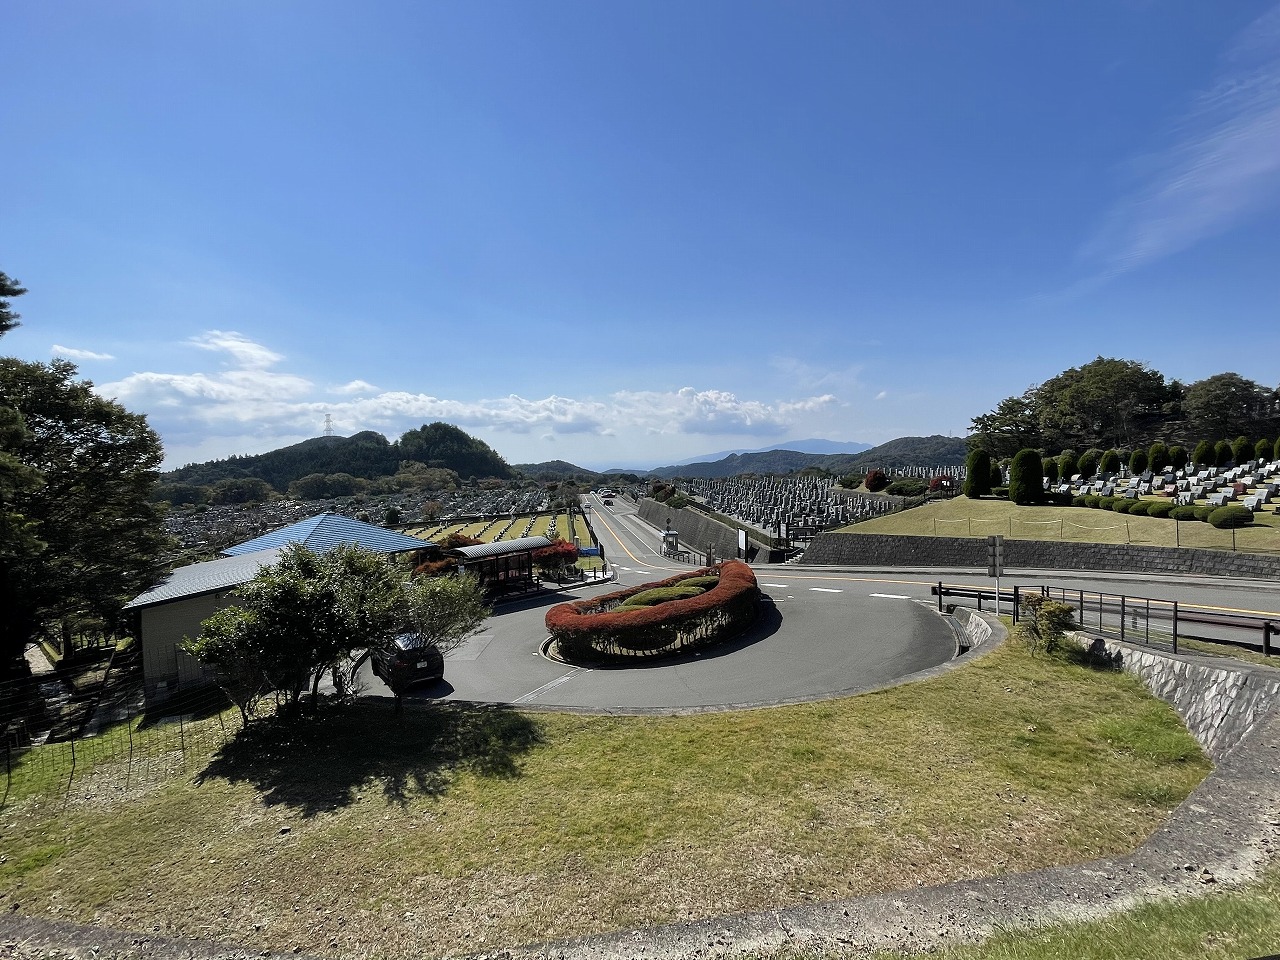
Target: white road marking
(774, 584)
(890, 596)
(550, 685)
(825, 590)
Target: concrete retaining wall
(697, 530)
(883, 550)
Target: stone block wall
(1220, 704)
(884, 550)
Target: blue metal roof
(323, 532)
(211, 576)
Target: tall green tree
(1227, 404)
(8, 288)
(1204, 455)
(1110, 462)
(1158, 456)
(1012, 426)
(86, 469)
(1105, 402)
(1241, 450)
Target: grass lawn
(461, 831)
(962, 517)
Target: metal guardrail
(1137, 619)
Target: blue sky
(631, 233)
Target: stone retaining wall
(884, 550)
(1220, 704)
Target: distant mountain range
(442, 446)
(903, 452)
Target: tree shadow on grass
(317, 764)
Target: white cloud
(355, 386)
(251, 404)
(1222, 164)
(72, 353)
(882, 394)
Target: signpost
(995, 563)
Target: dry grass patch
(455, 831)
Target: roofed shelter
(502, 567)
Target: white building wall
(165, 668)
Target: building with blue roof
(323, 532)
(176, 607)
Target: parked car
(405, 662)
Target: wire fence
(128, 749)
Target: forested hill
(903, 452)
(366, 455)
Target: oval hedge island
(673, 616)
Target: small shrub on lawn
(651, 598)
(1102, 503)
(1202, 512)
(1140, 508)
(876, 481)
(1159, 508)
(1231, 515)
(1110, 462)
(1083, 501)
(907, 487)
(1121, 505)
(1184, 512)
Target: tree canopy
(79, 535)
(1116, 404)
(8, 288)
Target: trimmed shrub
(1184, 512)
(1222, 453)
(997, 475)
(1241, 450)
(1275, 452)
(1262, 450)
(1050, 469)
(1026, 478)
(1231, 515)
(907, 487)
(852, 481)
(1110, 462)
(1067, 464)
(1140, 508)
(876, 481)
(1093, 501)
(1057, 499)
(1137, 462)
(1121, 505)
(1088, 463)
(1157, 456)
(651, 598)
(1202, 512)
(977, 474)
(1082, 501)
(1177, 457)
(1159, 508)
(1204, 455)
(600, 628)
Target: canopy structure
(504, 566)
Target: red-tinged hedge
(596, 629)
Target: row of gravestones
(1255, 484)
(770, 502)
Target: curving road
(825, 632)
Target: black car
(405, 661)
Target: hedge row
(1224, 517)
(603, 628)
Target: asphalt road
(824, 632)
